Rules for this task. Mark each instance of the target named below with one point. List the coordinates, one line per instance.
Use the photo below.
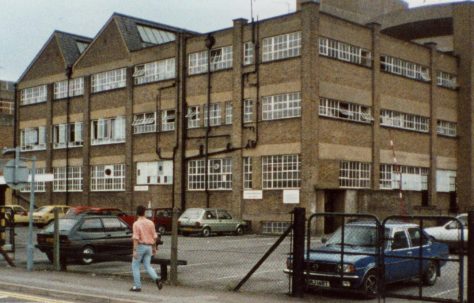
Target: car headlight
(346, 268)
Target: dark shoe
(159, 284)
(134, 288)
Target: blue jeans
(144, 253)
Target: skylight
(151, 35)
(81, 46)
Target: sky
(25, 25)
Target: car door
(91, 232)
(210, 219)
(419, 241)
(118, 236)
(225, 221)
(396, 262)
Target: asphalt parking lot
(220, 262)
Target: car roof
(389, 224)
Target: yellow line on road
(30, 298)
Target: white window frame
(281, 171)
(446, 80)
(32, 95)
(197, 63)
(144, 123)
(74, 179)
(76, 88)
(214, 114)
(447, 128)
(67, 135)
(228, 113)
(154, 173)
(344, 52)
(281, 47)
(7, 107)
(282, 106)
(102, 182)
(344, 110)
(404, 68)
(353, 174)
(155, 71)
(247, 172)
(248, 53)
(168, 120)
(390, 177)
(109, 80)
(108, 131)
(400, 120)
(40, 186)
(193, 116)
(248, 111)
(221, 58)
(33, 138)
(219, 174)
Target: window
(109, 80)
(40, 187)
(144, 123)
(193, 117)
(214, 114)
(221, 58)
(113, 224)
(447, 128)
(108, 131)
(417, 236)
(248, 111)
(413, 178)
(157, 172)
(92, 225)
(274, 228)
(281, 106)
(400, 240)
(445, 180)
(344, 110)
(108, 177)
(65, 135)
(197, 63)
(282, 46)
(405, 121)
(81, 46)
(248, 53)
(76, 88)
(168, 118)
(247, 170)
(280, 172)
(219, 174)
(33, 138)
(354, 174)
(153, 36)
(344, 52)
(223, 215)
(33, 95)
(446, 80)
(404, 68)
(155, 71)
(7, 107)
(74, 179)
(228, 112)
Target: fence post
(56, 250)
(297, 283)
(470, 258)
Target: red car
(89, 210)
(162, 217)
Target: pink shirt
(144, 231)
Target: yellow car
(45, 214)
(20, 213)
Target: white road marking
(445, 292)
(6, 294)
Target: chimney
(300, 2)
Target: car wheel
(50, 257)
(206, 232)
(161, 229)
(87, 253)
(239, 231)
(431, 274)
(370, 284)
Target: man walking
(144, 247)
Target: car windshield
(192, 213)
(64, 225)
(42, 209)
(354, 235)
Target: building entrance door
(333, 202)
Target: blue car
(358, 271)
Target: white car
(450, 233)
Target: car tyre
(161, 229)
(431, 274)
(370, 284)
(87, 250)
(206, 232)
(239, 231)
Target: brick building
(300, 108)
(7, 94)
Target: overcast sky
(25, 25)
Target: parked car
(162, 217)
(111, 211)
(450, 232)
(20, 213)
(323, 267)
(88, 238)
(45, 214)
(205, 221)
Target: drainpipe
(68, 75)
(210, 41)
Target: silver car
(205, 221)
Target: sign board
(141, 188)
(16, 173)
(291, 196)
(253, 195)
(42, 178)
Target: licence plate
(186, 229)
(319, 283)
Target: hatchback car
(109, 211)
(205, 221)
(20, 213)
(45, 214)
(450, 233)
(87, 238)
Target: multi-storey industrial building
(309, 108)
(7, 96)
